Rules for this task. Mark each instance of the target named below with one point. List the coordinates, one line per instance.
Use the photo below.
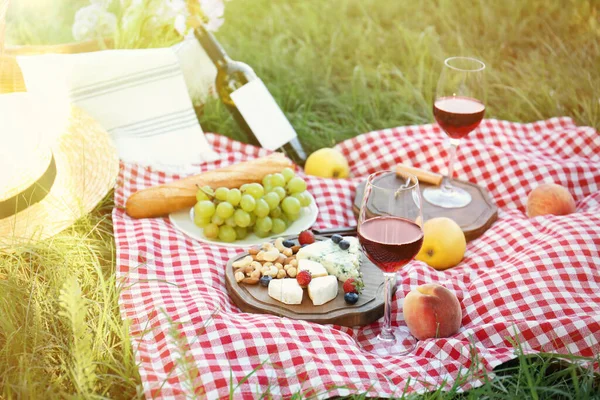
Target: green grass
(338, 68)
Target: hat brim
(86, 169)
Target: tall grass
(338, 68)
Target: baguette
(161, 200)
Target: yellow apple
(444, 243)
(327, 163)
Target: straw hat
(56, 164)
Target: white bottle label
(263, 115)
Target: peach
(550, 198)
(432, 311)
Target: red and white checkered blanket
(534, 280)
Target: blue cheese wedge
(316, 269)
(343, 264)
(286, 291)
(323, 289)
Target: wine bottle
(249, 101)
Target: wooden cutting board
(369, 308)
(474, 219)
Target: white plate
(184, 221)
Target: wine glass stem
(447, 186)
(386, 332)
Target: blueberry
(344, 245)
(351, 298)
(288, 243)
(336, 238)
(264, 280)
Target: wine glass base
(454, 198)
(401, 344)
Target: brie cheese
(286, 291)
(323, 289)
(316, 269)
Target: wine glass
(458, 109)
(390, 234)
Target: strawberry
(304, 278)
(353, 285)
(306, 237)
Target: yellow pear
(444, 243)
(327, 163)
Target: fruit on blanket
(161, 200)
(432, 311)
(550, 198)
(327, 163)
(444, 243)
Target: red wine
(458, 116)
(390, 242)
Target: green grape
(255, 190)
(296, 185)
(204, 209)
(234, 196)
(268, 188)
(211, 231)
(243, 187)
(230, 222)
(304, 198)
(277, 180)
(288, 174)
(260, 234)
(200, 195)
(247, 203)
(221, 193)
(224, 210)
(227, 233)
(262, 208)
(217, 220)
(201, 221)
(264, 224)
(292, 217)
(240, 232)
(242, 218)
(276, 212)
(285, 219)
(280, 192)
(289, 205)
(208, 190)
(266, 181)
(272, 200)
(278, 226)
(252, 219)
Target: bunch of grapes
(270, 208)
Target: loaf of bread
(161, 200)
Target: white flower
(93, 21)
(181, 25)
(213, 10)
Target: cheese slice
(342, 263)
(323, 289)
(286, 291)
(316, 269)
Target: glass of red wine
(458, 109)
(390, 234)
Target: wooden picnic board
(369, 308)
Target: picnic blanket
(535, 281)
